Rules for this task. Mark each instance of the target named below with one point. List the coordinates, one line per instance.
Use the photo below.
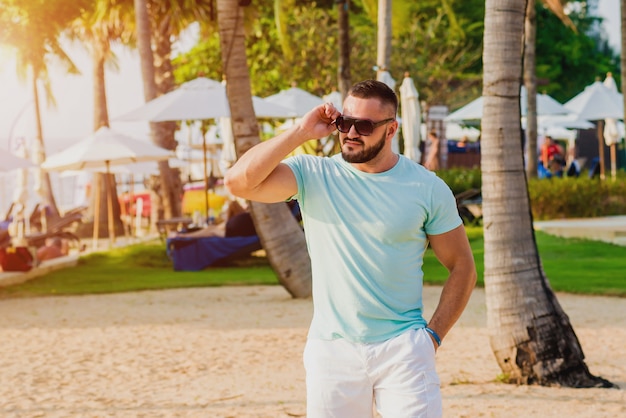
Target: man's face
(358, 149)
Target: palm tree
(157, 25)
(343, 70)
(530, 334)
(280, 234)
(33, 29)
(383, 51)
(96, 29)
(623, 55)
(164, 204)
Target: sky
(72, 118)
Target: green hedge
(461, 179)
(581, 197)
(558, 197)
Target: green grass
(572, 265)
(139, 267)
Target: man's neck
(380, 164)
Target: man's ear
(392, 128)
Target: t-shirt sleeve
(296, 163)
(444, 215)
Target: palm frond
(557, 8)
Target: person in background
(552, 157)
(432, 159)
(368, 214)
(55, 247)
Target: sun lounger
(198, 253)
(57, 227)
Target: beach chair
(469, 205)
(198, 253)
(59, 227)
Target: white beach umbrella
(597, 102)
(411, 118)
(199, 99)
(296, 99)
(546, 105)
(570, 121)
(456, 131)
(471, 111)
(103, 149)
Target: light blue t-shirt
(366, 236)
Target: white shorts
(398, 376)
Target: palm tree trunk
(530, 334)
(530, 81)
(280, 234)
(46, 186)
(162, 133)
(623, 55)
(383, 51)
(344, 47)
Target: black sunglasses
(363, 127)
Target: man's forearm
(258, 163)
(454, 297)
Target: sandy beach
(236, 352)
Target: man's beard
(366, 154)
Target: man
(368, 215)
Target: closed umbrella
(611, 133)
(101, 150)
(411, 118)
(385, 77)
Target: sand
(237, 352)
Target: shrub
(461, 179)
(557, 198)
(577, 197)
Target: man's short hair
(369, 89)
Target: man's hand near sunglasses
(319, 122)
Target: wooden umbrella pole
(124, 214)
(206, 179)
(601, 148)
(131, 202)
(96, 213)
(109, 206)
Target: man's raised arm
(259, 175)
